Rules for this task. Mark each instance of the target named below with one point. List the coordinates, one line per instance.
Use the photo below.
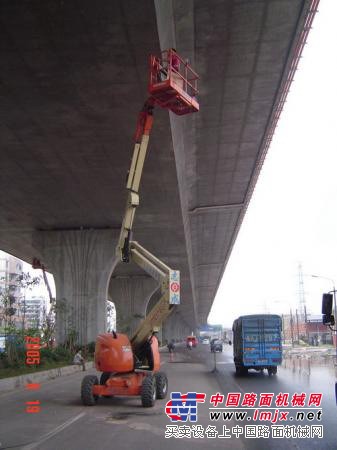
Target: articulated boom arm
(144, 125)
(173, 86)
(165, 276)
(130, 250)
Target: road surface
(118, 423)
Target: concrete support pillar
(165, 332)
(154, 299)
(82, 262)
(131, 295)
(181, 329)
(170, 327)
(175, 328)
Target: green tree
(11, 308)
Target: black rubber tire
(148, 392)
(272, 371)
(104, 377)
(88, 398)
(161, 384)
(241, 370)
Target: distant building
(35, 309)
(211, 331)
(10, 292)
(311, 331)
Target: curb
(13, 383)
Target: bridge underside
(73, 78)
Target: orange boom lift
(131, 366)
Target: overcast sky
(292, 217)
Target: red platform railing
(173, 83)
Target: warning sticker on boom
(174, 287)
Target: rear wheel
(161, 384)
(148, 392)
(272, 371)
(88, 382)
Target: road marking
(52, 433)
(238, 387)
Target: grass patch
(25, 370)
(12, 362)
(9, 372)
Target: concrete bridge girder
(64, 106)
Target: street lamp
(334, 303)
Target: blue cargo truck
(257, 343)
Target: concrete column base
(82, 262)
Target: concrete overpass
(73, 78)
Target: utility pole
(292, 328)
(283, 330)
(301, 293)
(297, 328)
(306, 324)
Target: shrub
(48, 354)
(91, 348)
(63, 354)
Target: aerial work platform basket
(173, 83)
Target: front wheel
(148, 392)
(88, 382)
(161, 384)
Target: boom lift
(131, 367)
